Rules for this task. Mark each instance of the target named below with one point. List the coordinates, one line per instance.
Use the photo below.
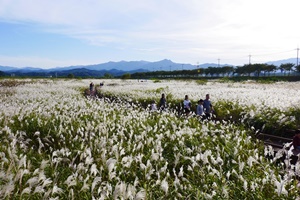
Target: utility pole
(182, 66)
(297, 55)
(218, 62)
(249, 59)
(198, 71)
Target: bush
(201, 81)
(126, 76)
(225, 80)
(155, 80)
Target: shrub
(201, 81)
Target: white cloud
(39, 62)
(189, 30)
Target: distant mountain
(78, 72)
(7, 68)
(165, 65)
(116, 68)
(279, 62)
(126, 66)
(206, 65)
(122, 65)
(26, 70)
(83, 72)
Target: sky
(59, 33)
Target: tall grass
(57, 144)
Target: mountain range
(114, 68)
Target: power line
(250, 56)
(273, 53)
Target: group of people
(92, 86)
(204, 108)
(162, 103)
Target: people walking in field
(187, 105)
(92, 92)
(199, 110)
(296, 141)
(162, 102)
(153, 106)
(207, 107)
(91, 87)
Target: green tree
(108, 75)
(209, 71)
(126, 76)
(240, 70)
(71, 75)
(246, 69)
(270, 68)
(286, 67)
(297, 68)
(226, 70)
(2, 73)
(258, 68)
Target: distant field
(282, 95)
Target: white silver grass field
(58, 144)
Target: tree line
(258, 69)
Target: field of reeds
(56, 143)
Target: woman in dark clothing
(162, 102)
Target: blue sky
(57, 33)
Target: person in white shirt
(153, 106)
